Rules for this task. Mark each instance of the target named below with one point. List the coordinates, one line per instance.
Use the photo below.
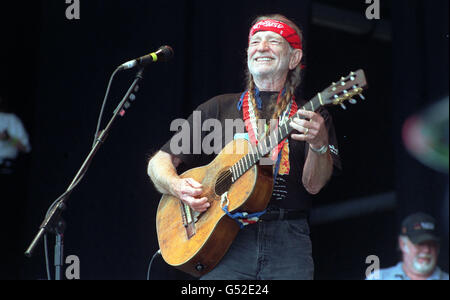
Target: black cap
(420, 228)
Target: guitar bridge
(189, 220)
(190, 230)
(197, 216)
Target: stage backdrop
(56, 75)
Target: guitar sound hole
(223, 183)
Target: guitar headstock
(345, 89)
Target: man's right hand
(188, 190)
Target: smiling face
(268, 55)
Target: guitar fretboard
(270, 142)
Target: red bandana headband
(287, 32)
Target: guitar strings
(224, 181)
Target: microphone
(163, 54)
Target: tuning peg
(343, 106)
(362, 97)
(347, 95)
(353, 101)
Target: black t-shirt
(220, 112)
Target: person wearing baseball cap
(419, 243)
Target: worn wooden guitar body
(196, 247)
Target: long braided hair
(293, 79)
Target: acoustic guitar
(195, 243)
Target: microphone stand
(59, 247)
(53, 221)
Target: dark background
(55, 71)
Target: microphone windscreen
(165, 53)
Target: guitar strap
(242, 218)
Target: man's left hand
(312, 130)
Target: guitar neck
(270, 142)
(335, 94)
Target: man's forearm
(317, 171)
(162, 171)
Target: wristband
(320, 151)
